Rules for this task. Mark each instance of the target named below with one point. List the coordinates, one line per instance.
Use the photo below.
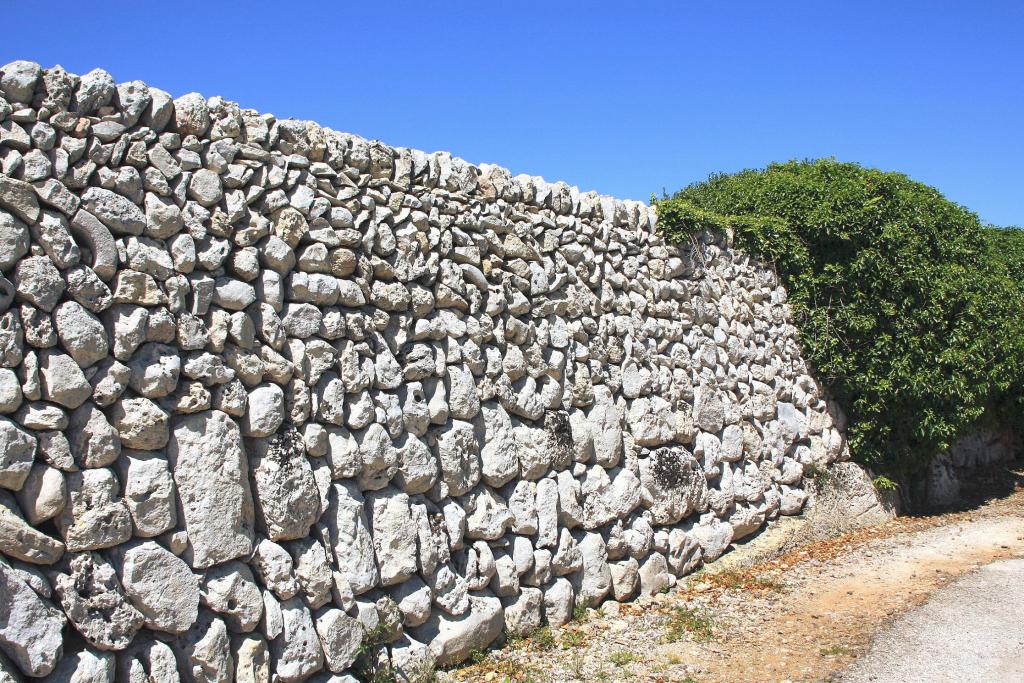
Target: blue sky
(625, 98)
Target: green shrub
(906, 309)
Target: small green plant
(622, 658)
(579, 613)
(816, 473)
(577, 666)
(476, 656)
(543, 639)
(573, 638)
(368, 667)
(836, 651)
(884, 483)
(685, 622)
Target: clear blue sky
(625, 98)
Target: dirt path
(831, 612)
(967, 631)
(804, 616)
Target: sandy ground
(808, 615)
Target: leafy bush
(906, 309)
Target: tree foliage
(906, 307)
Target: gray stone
(351, 538)
(412, 660)
(341, 638)
(38, 282)
(18, 80)
(684, 552)
(463, 401)
(17, 451)
(95, 90)
(211, 474)
(288, 501)
(10, 391)
(417, 469)
(155, 370)
(19, 198)
(673, 483)
(85, 666)
(86, 287)
(297, 651)
(160, 586)
(234, 295)
(451, 639)
(394, 535)
(379, 458)
(30, 633)
(81, 333)
(654, 576)
(252, 659)
(499, 455)
(266, 411)
(458, 453)
(414, 599)
(273, 566)
(62, 380)
(488, 515)
(43, 494)
(559, 600)
(14, 240)
(115, 211)
(230, 590)
(163, 217)
(22, 542)
(625, 579)
(191, 114)
(141, 423)
(148, 492)
(93, 440)
(205, 187)
(313, 571)
(205, 651)
(96, 236)
(94, 517)
(52, 234)
(523, 613)
(605, 499)
(94, 602)
(595, 581)
(713, 535)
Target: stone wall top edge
(645, 215)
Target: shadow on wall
(975, 468)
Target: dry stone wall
(283, 402)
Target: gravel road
(971, 630)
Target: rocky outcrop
(277, 400)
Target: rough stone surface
(18, 539)
(341, 636)
(211, 474)
(30, 633)
(95, 516)
(285, 490)
(94, 602)
(17, 452)
(451, 639)
(350, 388)
(160, 586)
